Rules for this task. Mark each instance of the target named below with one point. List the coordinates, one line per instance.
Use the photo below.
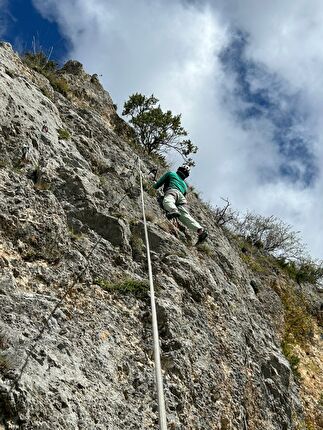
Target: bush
(39, 62)
(222, 215)
(302, 271)
(127, 286)
(59, 84)
(269, 234)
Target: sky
(247, 77)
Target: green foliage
(298, 321)
(127, 286)
(298, 329)
(42, 186)
(4, 362)
(306, 424)
(46, 92)
(74, 234)
(293, 359)
(59, 84)
(254, 264)
(254, 258)
(63, 134)
(269, 234)
(303, 271)
(39, 62)
(157, 130)
(137, 246)
(4, 164)
(205, 249)
(148, 187)
(150, 216)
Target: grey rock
(70, 223)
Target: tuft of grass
(205, 248)
(46, 93)
(134, 287)
(5, 363)
(63, 134)
(74, 234)
(147, 186)
(42, 186)
(254, 263)
(4, 164)
(59, 84)
(137, 245)
(150, 216)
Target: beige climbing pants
(174, 201)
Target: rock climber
(175, 203)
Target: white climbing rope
(158, 373)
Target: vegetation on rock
(127, 286)
(157, 131)
(39, 62)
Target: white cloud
(171, 49)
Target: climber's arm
(161, 181)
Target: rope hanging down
(158, 373)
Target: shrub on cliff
(305, 270)
(39, 62)
(156, 130)
(270, 234)
(274, 237)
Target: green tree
(156, 130)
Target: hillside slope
(68, 177)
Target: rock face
(92, 367)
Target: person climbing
(175, 203)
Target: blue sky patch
(261, 95)
(25, 24)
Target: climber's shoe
(172, 215)
(202, 235)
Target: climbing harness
(158, 373)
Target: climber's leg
(169, 204)
(186, 219)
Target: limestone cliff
(68, 177)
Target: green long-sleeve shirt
(172, 180)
